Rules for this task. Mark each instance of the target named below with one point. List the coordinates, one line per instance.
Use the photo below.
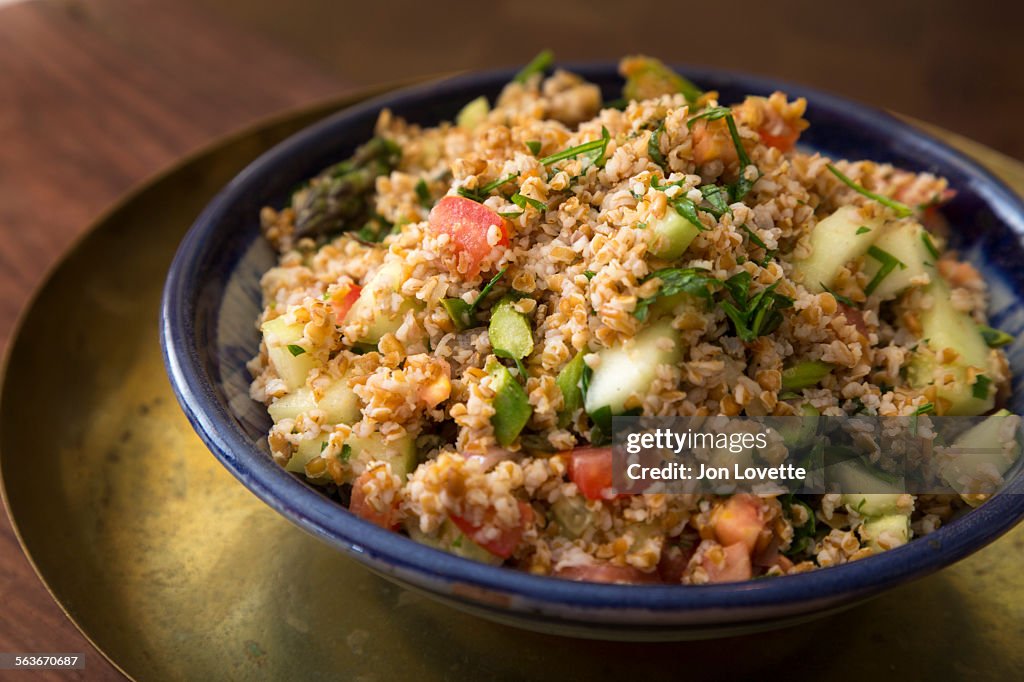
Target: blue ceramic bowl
(207, 330)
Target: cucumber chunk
(991, 446)
(671, 235)
(473, 114)
(628, 370)
(450, 539)
(886, 532)
(905, 241)
(943, 326)
(339, 404)
(307, 451)
(569, 383)
(399, 453)
(804, 374)
(865, 491)
(289, 358)
(511, 405)
(509, 331)
(835, 241)
(572, 515)
(374, 299)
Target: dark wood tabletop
(98, 96)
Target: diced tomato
(467, 223)
(784, 139)
(733, 567)
(854, 317)
(362, 508)
(342, 306)
(739, 520)
(607, 573)
(506, 542)
(591, 470)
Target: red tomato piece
(467, 223)
(341, 307)
(739, 520)
(362, 508)
(784, 140)
(591, 470)
(506, 542)
(607, 573)
(733, 567)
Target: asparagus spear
(339, 198)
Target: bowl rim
(394, 552)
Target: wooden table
(96, 97)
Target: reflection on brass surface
(177, 572)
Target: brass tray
(176, 572)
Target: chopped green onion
(487, 289)
(753, 236)
(295, 350)
(323, 445)
(805, 374)
(863, 229)
(888, 263)
(901, 209)
(711, 114)
(480, 194)
(423, 193)
(346, 452)
(927, 408)
(742, 186)
(995, 338)
(539, 64)
(572, 152)
(929, 244)
(534, 146)
(980, 388)
(589, 274)
(839, 297)
(523, 201)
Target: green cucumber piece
(511, 405)
(886, 532)
(569, 381)
(836, 241)
(509, 331)
(374, 299)
(399, 453)
(865, 491)
(804, 374)
(292, 367)
(628, 370)
(572, 515)
(982, 448)
(671, 235)
(339, 404)
(473, 114)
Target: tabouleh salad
(458, 311)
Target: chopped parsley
(534, 146)
(423, 194)
(539, 64)
(901, 209)
(803, 536)
(995, 338)
(654, 147)
(693, 281)
(589, 274)
(346, 452)
(295, 350)
(927, 408)
(929, 244)
(757, 241)
(480, 194)
(742, 186)
(753, 315)
(980, 388)
(888, 263)
(717, 199)
(323, 445)
(863, 229)
(839, 297)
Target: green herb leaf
(523, 201)
(863, 229)
(693, 281)
(480, 194)
(654, 147)
(803, 536)
(534, 146)
(888, 263)
(295, 350)
(457, 542)
(995, 338)
(753, 316)
(717, 199)
(487, 289)
(589, 274)
(901, 209)
(742, 186)
(980, 387)
(323, 445)
(709, 114)
(346, 453)
(423, 193)
(510, 214)
(539, 64)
